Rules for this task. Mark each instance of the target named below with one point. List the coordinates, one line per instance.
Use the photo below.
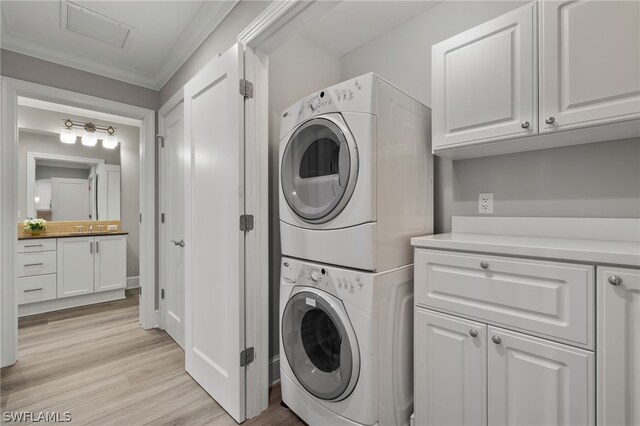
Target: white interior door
(214, 262)
(172, 160)
(69, 199)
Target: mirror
(65, 188)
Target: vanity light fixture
(89, 137)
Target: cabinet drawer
(36, 289)
(551, 299)
(29, 246)
(36, 263)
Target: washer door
(320, 344)
(319, 168)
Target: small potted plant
(34, 226)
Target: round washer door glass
(324, 359)
(319, 169)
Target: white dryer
(346, 351)
(356, 175)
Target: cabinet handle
(473, 332)
(33, 289)
(525, 124)
(97, 246)
(550, 120)
(496, 339)
(484, 264)
(33, 264)
(91, 247)
(33, 245)
(615, 280)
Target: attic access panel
(87, 23)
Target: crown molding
(189, 41)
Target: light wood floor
(98, 364)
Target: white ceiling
(352, 24)
(160, 35)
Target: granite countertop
(69, 235)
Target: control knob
(314, 277)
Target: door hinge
(246, 222)
(140, 217)
(160, 140)
(161, 217)
(246, 88)
(246, 357)
(162, 293)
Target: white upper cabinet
(484, 82)
(589, 63)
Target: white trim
(133, 282)
(208, 18)
(69, 302)
(274, 370)
(66, 109)
(11, 89)
(175, 100)
(32, 157)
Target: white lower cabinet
(618, 347)
(451, 364)
(91, 264)
(110, 263)
(537, 382)
(75, 266)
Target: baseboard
(69, 302)
(133, 282)
(274, 370)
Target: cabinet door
(75, 266)
(450, 370)
(111, 262)
(589, 63)
(485, 82)
(537, 382)
(618, 346)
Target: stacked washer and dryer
(356, 183)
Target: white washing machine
(356, 175)
(346, 344)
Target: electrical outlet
(485, 203)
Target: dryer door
(320, 344)
(319, 168)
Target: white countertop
(490, 240)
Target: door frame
(165, 109)
(11, 90)
(271, 29)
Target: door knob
(550, 120)
(525, 124)
(496, 339)
(178, 243)
(615, 280)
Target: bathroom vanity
(59, 271)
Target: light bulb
(89, 139)
(68, 135)
(110, 141)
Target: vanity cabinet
(110, 265)
(517, 82)
(36, 271)
(75, 266)
(91, 264)
(618, 346)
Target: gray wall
(48, 172)
(127, 155)
(221, 39)
(290, 79)
(22, 67)
(588, 180)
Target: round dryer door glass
(319, 169)
(320, 352)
